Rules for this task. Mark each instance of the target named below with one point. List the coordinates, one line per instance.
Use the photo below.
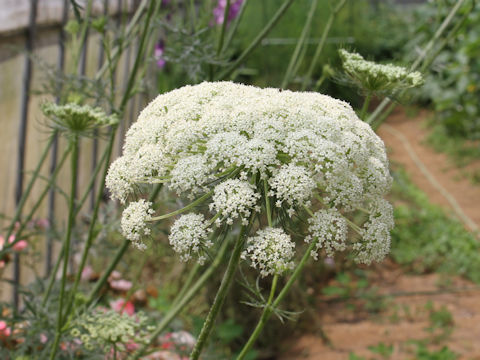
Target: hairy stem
(267, 311)
(321, 44)
(220, 296)
(185, 299)
(273, 21)
(66, 252)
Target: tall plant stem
(93, 221)
(220, 296)
(27, 191)
(116, 259)
(300, 44)
(267, 311)
(322, 42)
(424, 53)
(181, 302)
(273, 21)
(66, 252)
(365, 106)
(224, 27)
(235, 24)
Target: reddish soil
(406, 317)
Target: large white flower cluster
(233, 141)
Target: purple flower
(158, 54)
(219, 11)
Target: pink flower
(158, 54)
(120, 285)
(4, 329)
(219, 11)
(43, 223)
(121, 306)
(20, 245)
(43, 338)
(87, 273)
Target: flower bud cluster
(374, 77)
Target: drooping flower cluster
(375, 77)
(231, 145)
(271, 251)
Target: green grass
(426, 239)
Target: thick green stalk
(322, 42)
(185, 299)
(199, 201)
(224, 27)
(237, 21)
(289, 74)
(93, 221)
(268, 310)
(220, 296)
(154, 5)
(34, 208)
(365, 106)
(66, 252)
(117, 51)
(27, 191)
(273, 21)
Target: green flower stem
(423, 54)
(184, 299)
(188, 282)
(366, 103)
(116, 259)
(267, 311)
(322, 42)
(27, 191)
(91, 182)
(93, 221)
(235, 24)
(267, 204)
(154, 6)
(224, 27)
(117, 51)
(197, 202)
(103, 279)
(34, 208)
(68, 236)
(273, 21)
(220, 296)
(289, 74)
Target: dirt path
(408, 317)
(432, 172)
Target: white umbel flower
(271, 251)
(134, 221)
(330, 229)
(189, 237)
(234, 198)
(213, 137)
(292, 184)
(375, 242)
